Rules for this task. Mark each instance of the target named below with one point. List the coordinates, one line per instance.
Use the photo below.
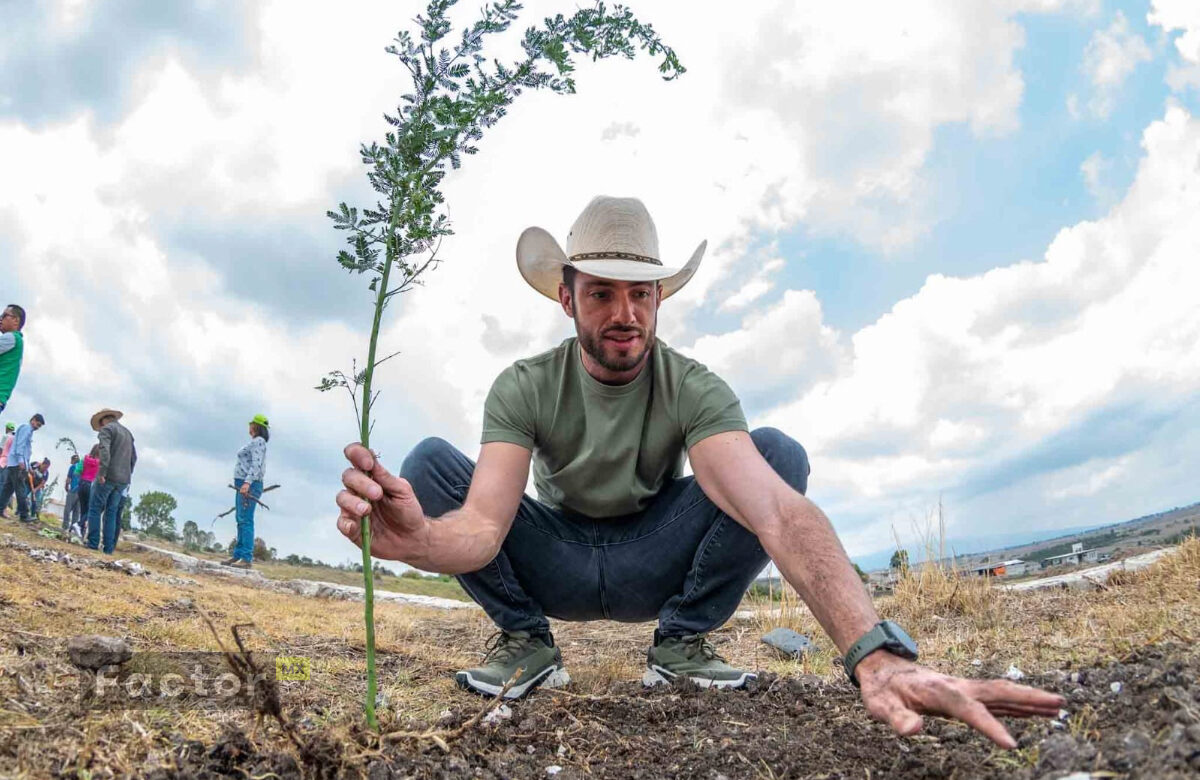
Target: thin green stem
(365, 438)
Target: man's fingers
(1009, 693)
(352, 505)
(888, 707)
(365, 461)
(977, 716)
(361, 484)
(359, 456)
(905, 722)
(350, 528)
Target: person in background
(248, 479)
(12, 349)
(121, 511)
(71, 510)
(18, 467)
(118, 455)
(5, 446)
(91, 467)
(39, 475)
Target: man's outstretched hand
(898, 692)
(399, 529)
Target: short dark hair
(261, 431)
(40, 420)
(17, 310)
(569, 272)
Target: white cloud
(1182, 15)
(781, 119)
(973, 375)
(1109, 59)
(1095, 170)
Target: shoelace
(502, 647)
(699, 643)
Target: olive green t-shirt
(604, 450)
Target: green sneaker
(540, 664)
(692, 657)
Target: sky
(952, 244)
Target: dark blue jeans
(103, 504)
(681, 560)
(13, 480)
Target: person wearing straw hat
(617, 531)
(248, 476)
(118, 457)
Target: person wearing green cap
(248, 480)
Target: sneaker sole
(657, 675)
(551, 677)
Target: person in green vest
(12, 348)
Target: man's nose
(624, 309)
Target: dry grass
(42, 604)
(957, 620)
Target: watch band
(877, 638)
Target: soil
(1137, 719)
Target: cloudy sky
(953, 243)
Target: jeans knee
(785, 454)
(421, 460)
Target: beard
(610, 356)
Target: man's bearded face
(615, 321)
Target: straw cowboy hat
(614, 238)
(100, 415)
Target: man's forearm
(804, 546)
(458, 542)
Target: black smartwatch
(886, 635)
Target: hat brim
(102, 414)
(540, 260)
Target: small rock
(1075, 677)
(553, 769)
(562, 751)
(503, 712)
(530, 749)
(976, 662)
(1115, 687)
(95, 652)
(1014, 673)
(788, 643)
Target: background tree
(191, 536)
(66, 442)
(457, 92)
(899, 560)
(261, 551)
(153, 512)
(862, 575)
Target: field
(1123, 655)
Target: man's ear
(564, 299)
(659, 296)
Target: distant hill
(993, 544)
